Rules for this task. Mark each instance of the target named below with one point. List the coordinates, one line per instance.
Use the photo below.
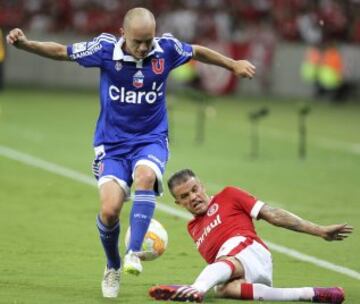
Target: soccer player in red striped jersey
(240, 263)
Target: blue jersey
(132, 92)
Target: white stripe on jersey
(105, 35)
(102, 38)
(92, 46)
(108, 35)
(167, 35)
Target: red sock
(247, 292)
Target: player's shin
(109, 237)
(213, 274)
(141, 214)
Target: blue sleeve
(90, 54)
(180, 52)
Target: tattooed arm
(282, 218)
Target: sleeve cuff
(256, 209)
(69, 52)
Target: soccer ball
(155, 241)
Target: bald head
(138, 32)
(139, 17)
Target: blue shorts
(119, 164)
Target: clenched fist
(15, 37)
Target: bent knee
(144, 178)
(109, 213)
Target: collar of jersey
(118, 53)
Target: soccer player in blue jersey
(130, 141)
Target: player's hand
(244, 68)
(16, 37)
(336, 232)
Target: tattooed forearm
(285, 219)
(288, 220)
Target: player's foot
(179, 293)
(132, 263)
(333, 295)
(110, 284)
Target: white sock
(263, 292)
(212, 275)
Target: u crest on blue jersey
(158, 65)
(138, 79)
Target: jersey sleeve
(179, 52)
(245, 201)
(90, 54)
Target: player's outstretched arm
(53, 50)
(239, 67)
(282, 218)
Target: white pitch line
(313, 260)
(85, 179)
(324, 143)
(47, 166)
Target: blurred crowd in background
(229, 20)
(250, 29)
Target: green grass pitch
(49, 248)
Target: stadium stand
(292, 20)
